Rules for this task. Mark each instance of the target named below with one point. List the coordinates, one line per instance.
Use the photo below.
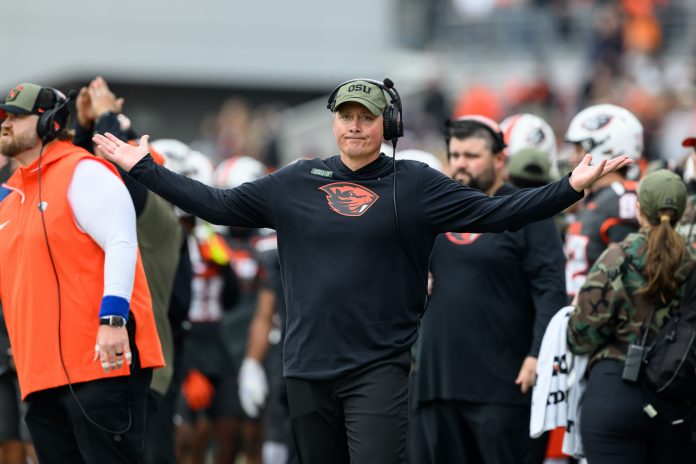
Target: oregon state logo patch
(459, 238)
(349, 199)
(14, 93)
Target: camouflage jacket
(609, 315)
(687, 224)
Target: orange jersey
(28, 289)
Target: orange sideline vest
(28, 286)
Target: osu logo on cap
(14, 93)
(359, 88)
(349, 199)
(459, 238)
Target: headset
(393, 113)
(479, 121)
(51, 121)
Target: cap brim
(689, 142)
(5, 108)
(372, 108)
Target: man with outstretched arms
(354, 260)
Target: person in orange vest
(77, 305)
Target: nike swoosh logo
(2, 226)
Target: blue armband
(114, 306)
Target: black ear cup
(53, 120)
(43, 126)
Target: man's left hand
(527, 376)
(585, 175)
(112, 347)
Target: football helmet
(525, 130)
(180, 158)
(606, 131)
(237, 170)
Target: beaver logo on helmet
(597, 122)
(349, 199)
(536, 137)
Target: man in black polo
(492, 297)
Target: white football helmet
(525, 130)
(180, 158)
(606, 131)
(237, 170)
(417, 155)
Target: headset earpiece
(392, 115)
(52, 120)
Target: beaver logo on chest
(349, 199)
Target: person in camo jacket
(644, 271)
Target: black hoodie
(354, 289)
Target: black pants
(615, 429)
(10, 414)
(160, 427)
(474, 433)
(62, 434)
(359, 418)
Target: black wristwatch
(112, 321)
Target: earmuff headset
(393, 113)
(481, 121)
(52, 120)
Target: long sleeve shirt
(354, 287)
(493, 296)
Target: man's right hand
(120, 152)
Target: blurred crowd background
(252, 78)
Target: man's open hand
(585, 175)
(120, 152)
